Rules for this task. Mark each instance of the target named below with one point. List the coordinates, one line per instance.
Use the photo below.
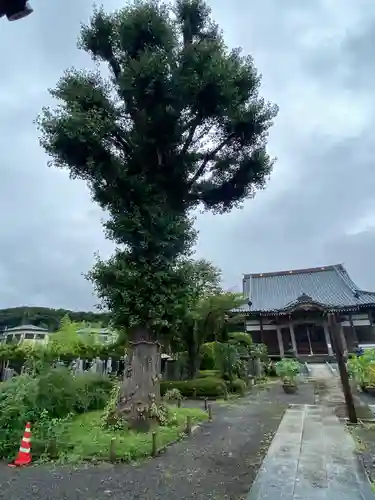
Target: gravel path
(219, 462)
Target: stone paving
(312, 457)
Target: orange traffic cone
(24, 455)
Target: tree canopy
(177, 124)
(47, 317)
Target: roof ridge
(294, 271)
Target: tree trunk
(140, 387)
(193, 361)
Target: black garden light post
(15, 9)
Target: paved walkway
(312, 457)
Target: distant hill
(46, 317)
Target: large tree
(178, 123)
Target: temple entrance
(310, 339)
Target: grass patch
(87, 440)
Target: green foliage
(208, 373)
(240, 339)
(46, 317)
(200, 387)
(49, 435)
(259, 351)
(51, 396)
(288, 369)
(66, 341)
(178, 124)
(85, 438)
(173, 395)
(238, 386)
(362, 368)
(242, 342)
(205, 315)
(270, 369)
(227, 360)
(111, 419)
(207, 355)
(160, 413)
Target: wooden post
(112, 450)
(188, 426)
(205, 404)
(210, 412)
(261, 329)
(347, 390)
(372, 325)
(154, 450)
(292, 336)
(352, 328)
(280, 341)
(178, 403)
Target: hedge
(200, 387)
(209, 373)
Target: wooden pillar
(261, 329)
(352, 329)
(372, 325)
(280, 341)
(292, 336)
(336, 339)
(327, 338)
(343, 339)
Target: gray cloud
(317, 64)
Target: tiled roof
(328, 286)
(22, 328)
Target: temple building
(287, 311)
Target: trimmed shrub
(209, 373)
(242, 338)
(207, 353)
(200, 387)
(238, 386)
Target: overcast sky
(318, 64)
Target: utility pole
(347, 390)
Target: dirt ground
(219, 462)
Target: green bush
(238, 386)
(173, 395)
(200, 387)
(51, 396)
(207, 353)
(288, 370)
(17, 406)
(241, 338)
(92, 391)
(209, 373)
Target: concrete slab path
(312, 457)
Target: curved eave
(284, 312)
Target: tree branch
(193, 127)
(115, 66)
(208, 157)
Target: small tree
(179, 123)
(66, 340)
(207, 314)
